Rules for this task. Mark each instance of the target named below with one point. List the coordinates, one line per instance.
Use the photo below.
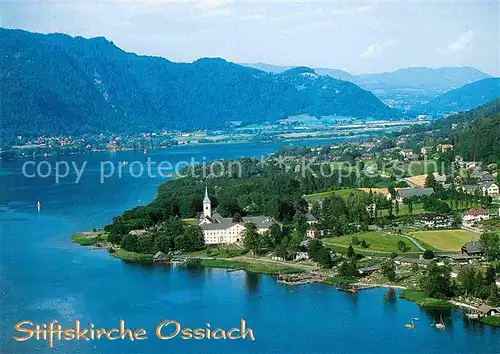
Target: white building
(220, 230)
(474, 215)
(490, 189)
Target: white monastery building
(220, 230)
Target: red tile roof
(477, 211)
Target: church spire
(207, 204)
(206, 199)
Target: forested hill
(480, 140)
(465, 97)
(474, 133)
(63, 85)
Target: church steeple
(207, 204)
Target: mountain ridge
(465, 97)
(405, 88)
(56, 84)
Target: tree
(275, 234)
(494, 297)
(145, 244)
(300, 223)
(350, 252)
(402, 246)
(396, 208)
(355, 240)
(349, 268)
(490, 276)
(364, 244)
(129, 243)
(282, 249)
(428, 254)
(388, 269)
(436, 281)
(491, 244)
(252, 239)
(466, 278)
(314, 248)
(430, 181)
(410, 207)
(324, 259)
(190, 240)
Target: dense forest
(480, 140)
(57, 84)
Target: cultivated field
(445, 239)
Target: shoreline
(287, 273)
(357, 137)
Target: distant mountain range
(57, 84)
(464, 98)
(404, 88)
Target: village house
(442, 148)
(473, 248)
(402, 193)
(412, 261)
(312, 229)
(369, 269)
(485, 310)
(425, 150)
(457, 258)
(490, 189)
(220, 230)
(473, 189)
(432, 220)
(412, 157)
(441, 179)
(406, 152)
(367, 145)
(483, 176)
(301, 256)
(474, 215)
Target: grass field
(421, 299)
(418, 208)
(344, 193)
(255, 266)
(445, 239)
(377, 243)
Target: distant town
(293, 128)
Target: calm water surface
(45, 276)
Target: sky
(359, 37)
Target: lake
(45, 276)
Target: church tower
(207, 205)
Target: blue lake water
(44, 276)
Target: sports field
(376, 242)
(445, 239)
(344, 193)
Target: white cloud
(462, 43)
(376, 48)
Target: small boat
(412, 324)
(38, 206)
(440, 324)
(472, 315)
